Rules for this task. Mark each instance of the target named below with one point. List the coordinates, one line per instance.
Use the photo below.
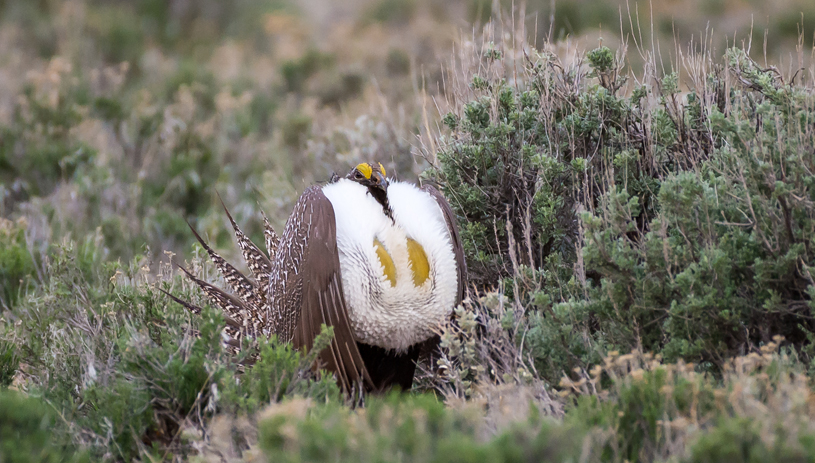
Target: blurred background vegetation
(123, 119)
(601, 157)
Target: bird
(379, 260)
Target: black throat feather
(381, 196)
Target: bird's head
(372, 175)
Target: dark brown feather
(191, 307)
(429, 350)
(452, 227)
(322, 301)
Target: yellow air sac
(386, 261)
(418, 262)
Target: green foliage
(9, 363)
(126, 127)
(695, 239)
(601, 59)
(739, 440)
(296, 130)
(521, 169)
(315, 73)
(405, 429)
(391, 11)
(724, 263)
(574, 17)
(296, 72)
(26, 432)
(278, 373)
(791, 24)
(641, 409)
(121, 38)
(398, 62)
(37, 150)
(126, 368)
(632, 407)
(124, 31)
(520, 157)
(17, 265)
(638, 410)
(84, 336)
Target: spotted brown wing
(310, 245)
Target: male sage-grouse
(381, 261)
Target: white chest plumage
(399, 276)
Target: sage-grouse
(381, 261)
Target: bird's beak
(379, 181)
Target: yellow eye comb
(365, 169)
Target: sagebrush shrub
(525, 156)
(622, 216)
(722, 267)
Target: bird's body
(399, 275)
(381, 262)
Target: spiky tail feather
(245, 288)
(258, 263)
(272, 240)
(232, 330)
(244, 314)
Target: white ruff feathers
(393, 317)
